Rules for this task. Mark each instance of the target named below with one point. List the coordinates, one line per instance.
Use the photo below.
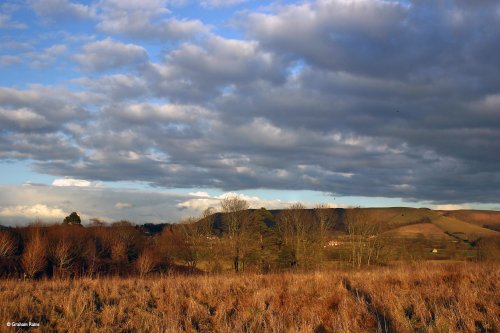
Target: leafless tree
(363, 237)
(296, 227)
(236, 218)
(192, 237)
(119, 250)
(146, 262)
(65, 245)
(326, 220)
(7, 243)
(34, 257)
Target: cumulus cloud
(371, 98)
(108, 54)
(61, 10)
(145, 20)
(50, 203)
(37, 211)
(75, 182)
(202, 201)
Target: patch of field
(420, 229)
(461, 229)
(395, 217)
(423, 298)
(485, 219)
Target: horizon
(153, 111)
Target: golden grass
(414, 230)
(461, 229)
(478, 217)
(420, 298)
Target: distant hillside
(483, 218)
(464, 225)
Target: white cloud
(450, 207)
(75, 182)
(32, 212)
(199, 194)
(122, 205)
(149, 112)
(203, 201)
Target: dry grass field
(483, 218)
(427, 297)
(461, 229)
(414, 230)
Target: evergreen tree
(72, 218)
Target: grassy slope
(428, 230)
(461, 229)
(395, 217)
(462, 224)
(482, 218)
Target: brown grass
(414, 230)
(461, 229)
(421, 298)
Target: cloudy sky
(153, 110)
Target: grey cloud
(43, 146)
(6, 22)
(380, 38)
(200, 71)
(117, 87)
(61, 10)
(145, 20)
(108, 54)
(6, 60)
(368, 98)
(221, 3)
(38, 108)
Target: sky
(154, 110)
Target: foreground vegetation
(427, 297)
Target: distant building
(434, 251)
(333, 243)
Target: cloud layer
(372, 98)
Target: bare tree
(34, 257)
(146, 262)
(190, 247)
(119, 250)
(64, 247)
(7, 244)
(325, 220)
(296, 226)
(363, 237)
(236, 218)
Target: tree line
(233, 238)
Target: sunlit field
(426, 297)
